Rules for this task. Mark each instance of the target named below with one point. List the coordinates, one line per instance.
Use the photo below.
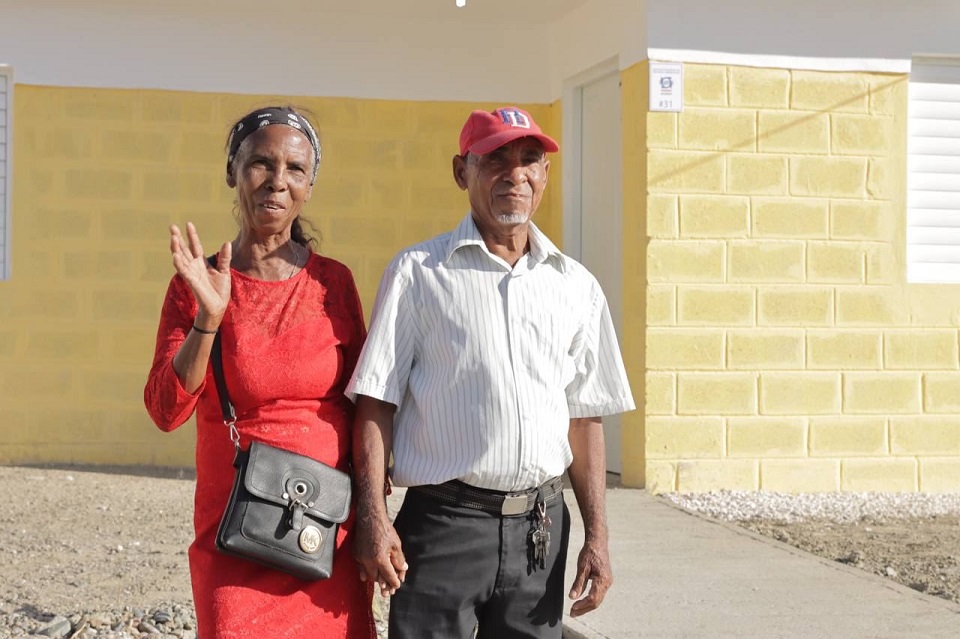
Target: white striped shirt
(487, 363)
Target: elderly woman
(291, 330)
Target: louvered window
(933, 171)
(6, 158)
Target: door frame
(571, 106)
(572, 109)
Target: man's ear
(231, 180)
(460, 171)
(309, 193)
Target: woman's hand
(210, 286)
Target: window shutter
(933, 171)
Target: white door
(601, 215)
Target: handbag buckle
(234, 433)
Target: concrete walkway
(680, 575)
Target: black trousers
(474, 571)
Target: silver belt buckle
(514, 505)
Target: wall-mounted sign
(666, 86)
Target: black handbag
(285, 509)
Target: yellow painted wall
(98, 177)
(784, 349)
(634, 98)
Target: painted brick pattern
(100, 176)
(783, 350)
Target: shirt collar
(467, 234)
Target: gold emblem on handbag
(285, 508)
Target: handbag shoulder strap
(216, 360)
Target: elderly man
(490, 360)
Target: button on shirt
(487, 363)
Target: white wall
(498, 50)
(296, 47)
(593, 34)
(888, 29)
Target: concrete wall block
(765, 349)
(795, 306)
(705, 216)
(839, 349)
(793, 132)
(861, 220)
(685, 261)
(661, 477)
(704, 85)
(790, 218)
(884, 178)
(698, 476)
(661, 305)
(879, 475)
(78, 346)
(828, 176)
(715, 306)
(662, 130)
(684, 437)
(883, 267)
(98, 184)
(925, 349)
(800, 475)
(888, 94)
(871, 306)
(829, 91)
(925, 435)
(685, 172)
(757, 174)
(860, 134)
(881, 393)
(663, 217)
(765, 261)
(722, 393)
(836, 262)
(940, 475)
(764, 88)
(718, 129)
(684, 349)
(661, 393)
(941, 393)
(841, 436)
(799, 393)
(763, 437)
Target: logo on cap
(515, 117)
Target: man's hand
(587, 475)
(376, 548)
(593, 565)
(376, 545)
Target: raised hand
(210, 286)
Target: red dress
(289, 348)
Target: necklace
(296, 260)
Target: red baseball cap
(483, 132)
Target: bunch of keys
(540, 536)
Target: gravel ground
(911, 538)
(94, 555)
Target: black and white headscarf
(268, 116)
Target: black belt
(491, 501)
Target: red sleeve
(168, 404)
